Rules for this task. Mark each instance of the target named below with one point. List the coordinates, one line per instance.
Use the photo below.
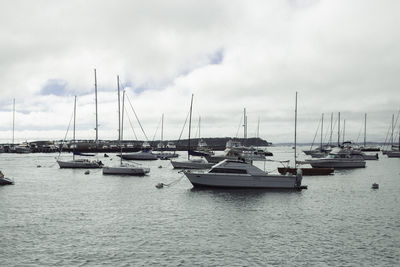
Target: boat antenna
(190, 125)
(95, 99)
(295, 132)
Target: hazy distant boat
(160, 146)
(141, 155)
(239, 174)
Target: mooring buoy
(375, 186)
(87, 172)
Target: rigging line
(158, 126)
(65, 137)
(183, 128)
(315, 136)
(240, 125)
(130, 123)
(137, 118)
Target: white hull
(242, 180)
(6, 181)
(191, 165)
(336, 164)
(79, 164)
(125, 170)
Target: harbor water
(64, 217)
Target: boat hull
(227, 180)
(78, 165)
(336, 164)
(6, 181)
(307, 171)
(393, 154)
(125, 171)
(139, 156)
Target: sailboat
(78, 163)
(191, 163)
(123, 168)
(305, 171)
(202, 149)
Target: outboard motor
(299, 177)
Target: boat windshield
(228, 170)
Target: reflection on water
(66, 218)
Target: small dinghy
(4, 180)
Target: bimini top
(237, 167)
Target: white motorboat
(339, 159)
(239, 174)
(80, 164)
(141, 155)
(192, 164)
(126, 169)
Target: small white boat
(239, 174)
(192, 164)
(126, 169)
(80, 163)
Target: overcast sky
(341, 56)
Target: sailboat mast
(119, 111)
(365, 129)
(162, 129)
(95, 99)
(295, 133)
(344, 129)
(121, 130)
(73, 135)
(338, 131)
(190, 125)
(244, 124)
(330, 138)
(392, 130)
(199, 127)
(322, 129)
(13, 128)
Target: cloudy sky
(341, 56)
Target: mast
(199, 127)
(244, 124)
(344, 129)
(162, 128)
(392, 130)
(73, 135)
(338, 131)
(121, 130)
(13, 127)
(119, 111)
(295, 133)
(95, 99)
(322, 128)
(190, 125)
(330, 138)
(365, 129)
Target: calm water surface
(62, 217)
